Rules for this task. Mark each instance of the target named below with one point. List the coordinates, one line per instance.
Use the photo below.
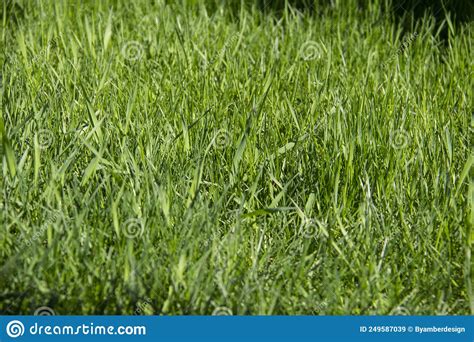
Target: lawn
(191, 157)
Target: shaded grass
(192, 160)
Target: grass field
(181, 158)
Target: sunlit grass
(186, 159)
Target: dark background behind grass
(461, 10)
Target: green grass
(172, 159)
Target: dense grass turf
(177, 159)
